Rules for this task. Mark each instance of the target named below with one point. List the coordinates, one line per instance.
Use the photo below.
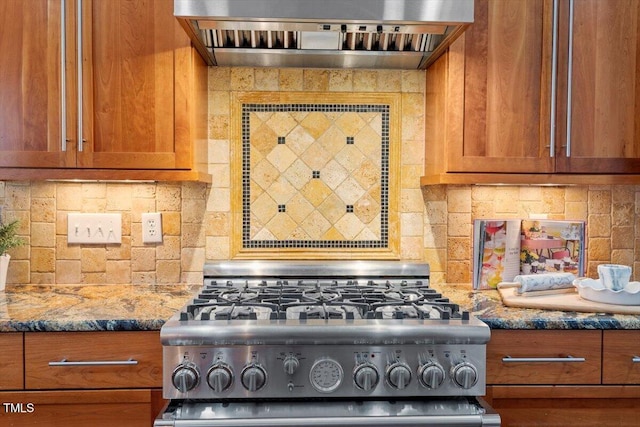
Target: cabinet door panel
(43, 348)
(128, 85)
(506, 89)
(544, 344)
(11, 361)
(605, 88)
(621, 364)
(30, 93)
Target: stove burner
(304, 298)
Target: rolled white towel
(543, 282)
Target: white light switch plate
(94, 228)
(152, 227)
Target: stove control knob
(398, 375)
(464, 375)
(253, 377)
(290, 364)
(366, 376)
(185, 378)
(431, 375)
(220, 377)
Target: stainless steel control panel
(280, 371)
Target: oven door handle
(568, 358)
(65, 362)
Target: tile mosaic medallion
(314, 174)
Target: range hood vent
(394, 34)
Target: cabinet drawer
(544, 357)
(95, 408)
(66, 360)
(11, 361)
(621, 364)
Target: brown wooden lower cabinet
(80, 379)
(564, 378)
(73, 408)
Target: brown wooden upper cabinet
(540, 91)
(98, 84)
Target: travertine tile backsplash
(435, 222)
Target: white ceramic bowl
(594, 290)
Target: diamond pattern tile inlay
(322, 173)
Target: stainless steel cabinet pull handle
(635, 359)
(63, 77)
(569, 78)
(65, 362)
(554, 82)
(80, 76)
(569, 358)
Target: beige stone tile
(192, 259)
(219, 103)
(193, 210)
(365, 80)
(143, 190)
(68, 271)
(622, 237)
(242, 78)
(291, 79)
(267, 79)
(411, 224)
(18, 196)
(622, 256)
(170, 248)
(368, 209)
(94, 278)
(168, 271)
(412, 127)
(315, 80)
(482, 209)
(64, 251)
(140, 206)
(193, 235)
(194, 190)
(600, 201)
(411, 200)
(459, 225)
(622, 214)
(143, 259)
(168, 197)
(94, 205)
(599, 225)
(219, 127)
(483, 193)
(340, 80)
(315, 192)
(171, 223)
(413, 104)
(414, 81)
(94, 190)
(411, 248)
(18, 272)
(43, 278)
(599, 249)
(219, 78)
(530, 193)
(576, 210)
(264, 208)
(623, 194)
(458, 249)
(412, 153)
(315, 225)
(434, 193)
(410, 176)
(218, 223)
(219, 151)
(43, 260)
(281, 157)
(459, 199)
(458, 272)
(389, 81)
(221, 175)
(143, 277)
(43, 234)
(42, 189)
(136, 234)
(504, 200)
(332, 208)
(121, 251)
(118, 272)
(349, 226)
(436, 212)
(218, 247)
(282, 123)
(67, 197)
(438, 277)
(119, 197)
(435, 236)
(436, 258)
(350, 191)
(93, 260)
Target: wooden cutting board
(567, 301)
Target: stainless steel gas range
(335, 343)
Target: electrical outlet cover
(152, 227)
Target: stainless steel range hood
(394, 34)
